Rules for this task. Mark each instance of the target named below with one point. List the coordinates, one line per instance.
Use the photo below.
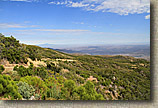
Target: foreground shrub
(8, 88)
(25, 90)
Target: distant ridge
(139, 51)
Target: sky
(82, 22)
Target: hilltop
(35, 73)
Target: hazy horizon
(65, 46)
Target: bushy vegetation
(25, 90)
(71, 77)
(36, 71)
(8, 88)
(87, 92)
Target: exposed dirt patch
(36, 63)
(91, 78)
(9, 67)
(65, 60)
(64, 70)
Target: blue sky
(85, 22)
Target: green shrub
(25, 90)
(37, 83)
(8, 88)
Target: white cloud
(23, 0)
(92, 5)
(147, 17)
(78, 23)
(82, 22)
(121, 7)
(62, 30)
(77, 4)
(6, 25)
(54, 30)
(70, 3)
(124, 7)
(52, 2)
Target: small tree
(68, 89)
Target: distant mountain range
(138, 51)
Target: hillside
(35, 73)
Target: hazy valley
(138, 51)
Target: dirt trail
(36, 63)
(65, 60)
(9, 67)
